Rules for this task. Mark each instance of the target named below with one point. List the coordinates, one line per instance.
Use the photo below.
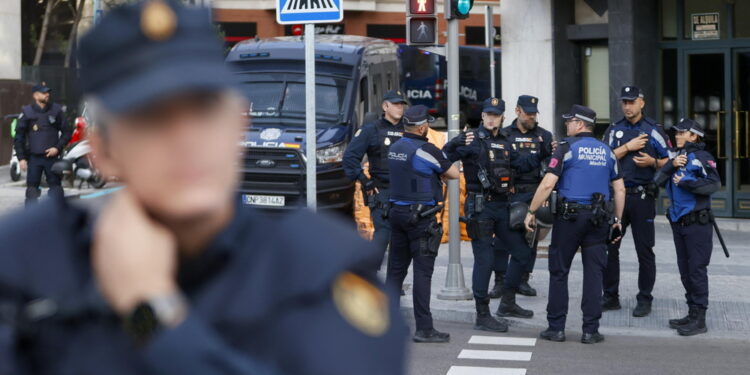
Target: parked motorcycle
(75, 165)
(15, 166)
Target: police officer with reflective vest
(526, 137)
(374, 140)
(41, 134)
(417, 168)
(489, 162)
(690, 178)
(642, 148)
(582, 169)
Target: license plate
(263, 200)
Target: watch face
(142, 323)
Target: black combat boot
(525, 289)
(677, 323)
(696, 325)
(508, 306)
(497, 290)
(431, 335)
(485, 321)
(610, 302)
(642, 308)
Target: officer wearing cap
(642, 148)
(489, 162)
(582, 169)
(690, 179)
(374, 140)
(417, 168)
(172, 274)
(526, 137)
(41, 134)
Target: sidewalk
(728, 315)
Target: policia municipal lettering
(416, 169)
(489, 165)
(41, 135)
(374, 140)
(690, 179)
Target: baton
(721, 239)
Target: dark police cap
(630, 93)
(581, 112)
(42, 87)
(418, 115)
(149, 50)
(394, 96)
(690, 125)
(528, 103)
(494, 105)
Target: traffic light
(458, 9)
(421, 23)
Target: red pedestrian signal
(421, 7)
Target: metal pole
(97, 11)
(489, 37)
(455, 288)
(310, 138)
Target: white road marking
(497, 340)
(498, 355)
(465, 370)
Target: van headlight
(331, 154)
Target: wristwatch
(152, 315)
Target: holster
(429, 242)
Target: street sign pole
(489, 37)
(455, 288)
(311, 139)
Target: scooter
(75, 164)
(15, 166)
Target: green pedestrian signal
(458, 9)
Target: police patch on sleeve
(361, 304)
(619, 134)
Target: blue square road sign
(309, 11)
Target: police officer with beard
(417, 167)
(526, 137)
(582, 168)
(489, 162)
(641, 148)
(691, 178)
(41, 135)
(374, 140)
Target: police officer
(41, 134)
(374, 140)
(416, 169)
(173, 275)
(526, 137)
(690, 179)
(489, 160)
(582, 168)
(641, 147)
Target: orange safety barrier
(362, 212)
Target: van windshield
(283, 95)
(418, 64)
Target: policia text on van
(352, 74)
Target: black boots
(431, 335)
(497, 290)
(610, 302)
(592, 337)
(551, 335)
(642, 309)
(526, 289)
(508, 306)
(696, 325)
(677, 323)
(485, 321)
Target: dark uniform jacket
(39, 129)
(536, 141)
(657, 147)
(473, 154)
(374, 139)
(701, 179)
(295, 294)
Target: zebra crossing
(494, 352)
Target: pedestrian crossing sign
(309, 11)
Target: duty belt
(635, 189)
(492, 197)
(702, 217)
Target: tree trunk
(43, 34)
(74, 32)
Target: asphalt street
(519, 352)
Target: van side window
(376, 86)
(362, 105)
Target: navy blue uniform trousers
(405, 248)
(639, 215)
(381, 236)
(501, 248)
(694, 244)
(485, 251)
(567, 237)
(38, 164)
